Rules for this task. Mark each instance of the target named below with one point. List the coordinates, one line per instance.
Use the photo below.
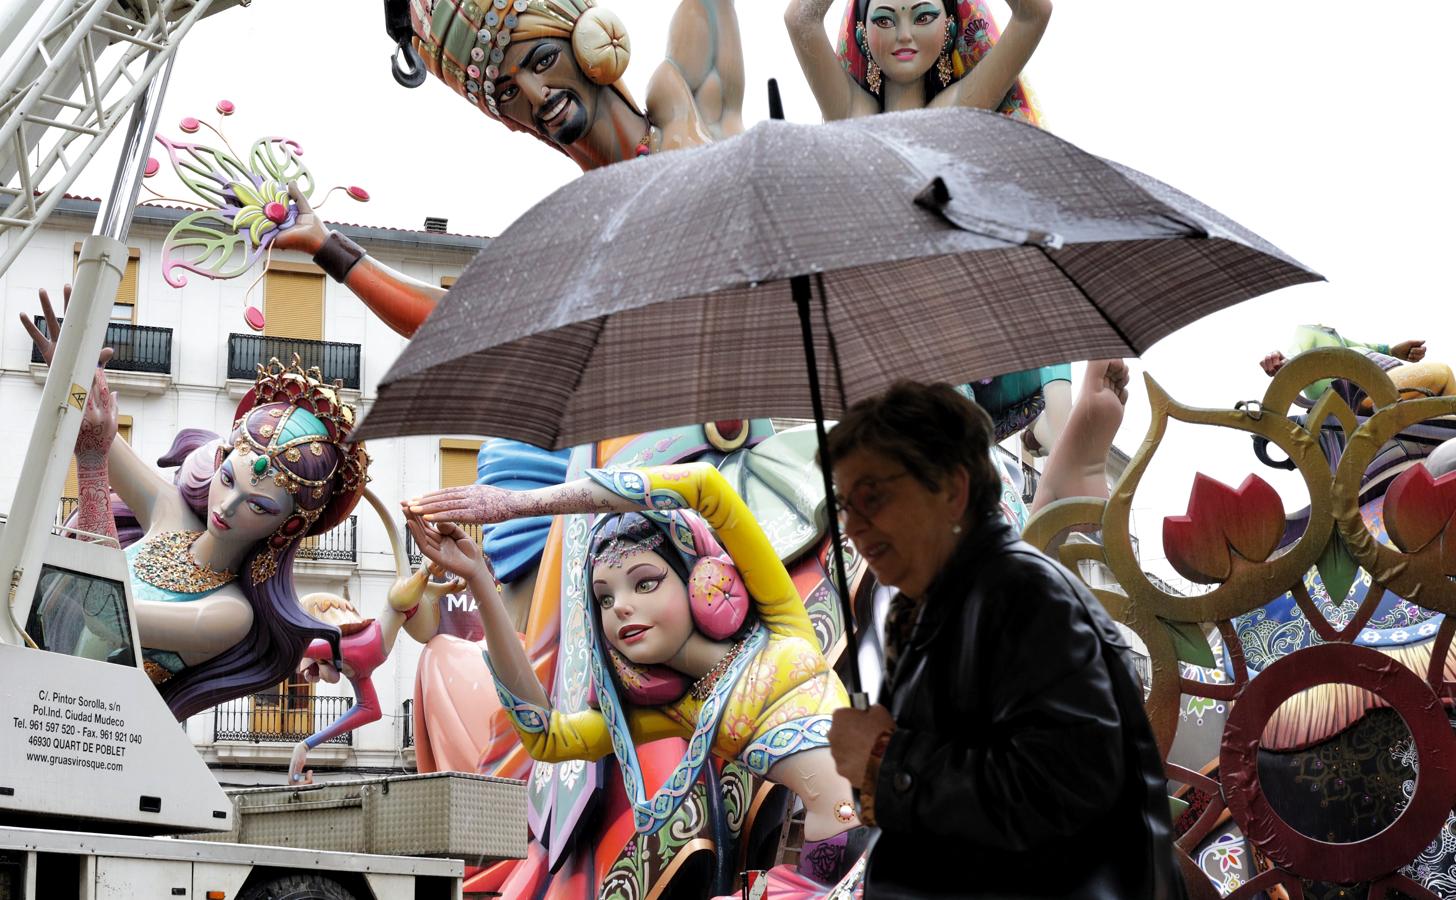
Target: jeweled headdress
(311, 416)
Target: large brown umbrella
(945, 245)
(949, 245)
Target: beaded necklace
(166, 562)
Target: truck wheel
(297, 887)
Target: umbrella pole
(799, 285)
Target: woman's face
(903, 530)
(905, 37)
(242, 507)
(644, 607)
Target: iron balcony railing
(248, 351)
(278, 718)
(412, 550)
(138, 348)
(339, 544)
(407, 736)
(67, 507)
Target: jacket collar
(950, 588)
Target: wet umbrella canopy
(953, 245)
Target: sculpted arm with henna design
(137, 483)
(98, 429)
(485, 505)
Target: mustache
(571, 96)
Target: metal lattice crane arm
(71, 72)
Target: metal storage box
(472, 818)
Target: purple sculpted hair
(281, 630)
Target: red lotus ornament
(1419, 509)
(1223, 522)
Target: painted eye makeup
(226, 474)
(882, 19)
(648, 585)
(606, 601)
(546, 61)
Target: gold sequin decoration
(166, 562)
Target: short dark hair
(931, 430)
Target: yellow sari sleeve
(584, 734)
(701, 487)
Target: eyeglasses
(866, 497)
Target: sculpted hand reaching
(448, 546)
(47, 345)
(477, 504)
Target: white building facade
(184, 359)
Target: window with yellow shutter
(123, 311)
(293, 304)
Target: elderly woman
(1014, 731)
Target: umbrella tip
(775, 102)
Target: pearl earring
(956, 528)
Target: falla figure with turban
(554, 68)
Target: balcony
(139, 348)
(339, 544)
(336, 361)
(279, 718)
(141, 363)
(66, 509)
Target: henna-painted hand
(98, 424)
(307, 233)
(448, 546)
(478, 504)
(47, 345)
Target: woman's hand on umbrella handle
(477, 504)
(46, 341)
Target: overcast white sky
(1320, 125)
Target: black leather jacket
(1023, 764)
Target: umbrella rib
(1093, 303)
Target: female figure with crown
(212, 576)
(693, 638)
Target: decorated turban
(463, 42)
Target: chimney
(436, 225)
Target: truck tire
(298, 887)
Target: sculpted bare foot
(1077, 466)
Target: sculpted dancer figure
(914, 54)
(1404, 362)
(212, 576)
(694, 638)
